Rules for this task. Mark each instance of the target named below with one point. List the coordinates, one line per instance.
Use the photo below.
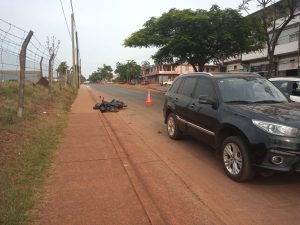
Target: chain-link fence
(37, 55)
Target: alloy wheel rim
(171, 126)
(233, 158)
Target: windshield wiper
(268, 101)
(239, 101)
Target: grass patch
(28, 146)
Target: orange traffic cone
(148, 100)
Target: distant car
(145, 82)
(131, 83)
(289, 86)
(168, 82)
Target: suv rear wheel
(236, 160)
(172, 127)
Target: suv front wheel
(235, 159)
(172, 127)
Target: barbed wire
(37, 54)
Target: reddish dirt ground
(121, 168)
(92, 182)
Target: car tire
(236, 160)
(172, 127)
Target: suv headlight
(276, 129)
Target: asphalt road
(185, 178)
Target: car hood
(282, 113)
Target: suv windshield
(249, 90)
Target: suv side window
(204, 87)
(175, 86)
(188, 86)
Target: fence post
(50, 75)
(41, 67)
(22, 59)
(66, 77)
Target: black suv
(243, 116)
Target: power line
(72, 6)
(12, 25)
(62, 7)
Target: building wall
(286, 53)
(5, 75)
(160, 73)
(236, 67)
(289, 35)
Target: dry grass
(27, 146)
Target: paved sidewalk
(90, 184)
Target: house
(286, 53)
(159, 73)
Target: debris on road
(112, 106)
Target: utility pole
(73, 52)
(77, 61)
(298, 69)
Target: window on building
(292, 61)
(294, 37)
(235, 67)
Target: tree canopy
(62, 68)
(128, 71)
(198, 36)
(102, 74)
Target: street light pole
(73, 52)
(298, 71)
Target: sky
(102, 25)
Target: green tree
(102, 74)
(94, 77)
(121, 71)
(128, 71)
(62, 69)
(145, 65)
(197, 37)
(269, 14)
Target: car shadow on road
(277, 179)
(261, 178)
